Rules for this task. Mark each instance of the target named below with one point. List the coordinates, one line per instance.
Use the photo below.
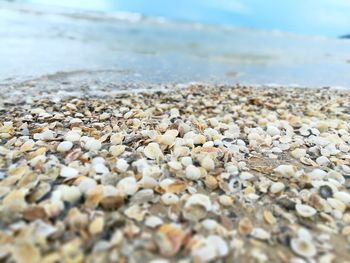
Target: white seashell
(92, 145)
(285, 170)
(199, 139)
(72, 136)
(199, 200)
(317, 174)
(86, 184)
(342, 196)
(303, 247)
(186, 161)
(170, 199)
(70, 193)
(192, 172)
(260, 233)
(336, 204)
(69, 172)
(100, 168)
(127, 186)
(46, 135)
(277, 187)
(27, 146)
(153, 221)
(225, 200)
(117, 150)
(305, 210)
(298, 153)
(219, 244)
(245, 176)
(64, 146)
(122, 165)
(148, 182)
(322, 161)
(110, 190)
(272, 130)
(175, 165)
(207, 163)
(153, 151)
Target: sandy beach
(198, 174)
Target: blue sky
(313, 17)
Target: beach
(202, 173)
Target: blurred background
(313, 17)
(148, 42)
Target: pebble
(122, 165)
(86, 184)
(325, 191)
(72, 136)
(170, 199)
(127, 186)
(303, 247)
(298, 153)
(153, 151)
(69, 172)
(277, 187)
(93, 144)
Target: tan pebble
(169, 239)
(15, 201)
(346, 231)
(104, 116)
(116, 138)
(24, 251)
(175, 165)
(305, 210)
(27, 146)
(117, 150)
(336, 204)
(225, 200)
(245, 226)
(96, 226)
(199, 139)
(269, 218)
(211, 182)
(153, 151)
(70, 194)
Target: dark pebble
(325, 191)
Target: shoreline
(202, 173)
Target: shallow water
(37, 42)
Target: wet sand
(196, 174)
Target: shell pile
(199, 174)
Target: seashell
(317, 174)
(226, 200)
(186, 161)
(69, 172)
(27, 146)
(86, 184)
(305, 210)
(175, 165)
(220, 245)
(100, 168)
(46, 135)
(269, 218)
(323, 161)
(72, 136)
(277, 187)
(272, 130)
(169, 239)
(303, 247)
(192, 172)
(96, 226)
(199, 139)
(127, 186)
(135, 212)
(64, 146)
(15, 201)
(342, 196)
(148, 182)
(122, 165)
(298, 153)
(207, 163)
(181, 151)
(152, 151)
(245, 176)
(260, 233)
(117, 150)
(196, 207)
(70, 194)
(245, 226)
(24, 250)
(92, 144)
(153, 221)
(170, 199)
(285, 170)
(336, 204)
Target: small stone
(117, 150)
(27, 146)
(325, 191)
(322, 161)
(245, 176)
(207, 163)
(226, 200)
(285, 170)
(153, 151)
(298, 153)
(336, 204)
(127, 186)
(122, 165)
(86, 184)
(269, 218)
(197, 206)
(96, 226)
(245, 226)
(305, 210)
(260, 233)
(153, 221)
(64, 146)
(343, 196)
(70, 194)
(273, 130)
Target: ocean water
(38, 41)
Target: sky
(310, 17)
